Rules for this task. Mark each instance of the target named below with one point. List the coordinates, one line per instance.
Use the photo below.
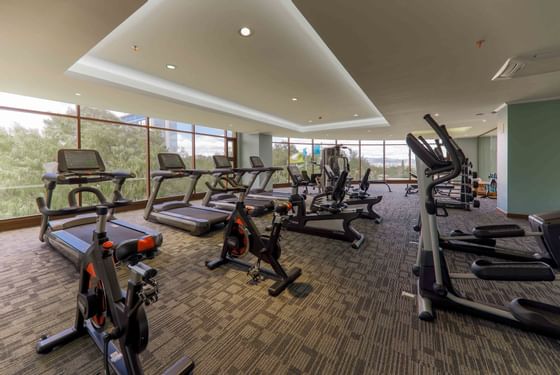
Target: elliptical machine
(435, 286)
(241, 236)
(100, 298)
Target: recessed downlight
(356, 115)
(78, 94)
(294, 99)
(483, 120)
(245, 32)
(171, 66)
(436, 114)
(310, 121)
(135, 48)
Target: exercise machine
(266, 173)
(71, 236)
(242, 236)
(225, 175)
(355, 198)
(331, 220)
(435, 285)
(181, 214)
(101, 301)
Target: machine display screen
(170, 161)
(256, 162)
(80, 160)
(221, 162)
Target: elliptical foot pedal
(215, 263)
(538, 316)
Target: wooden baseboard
(512, 215)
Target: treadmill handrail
(73, 210)
(85, 177)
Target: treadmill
(181, 214)
(260, 191)
(71, 232)
(224, 176)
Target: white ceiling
(408, 58)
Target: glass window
(27, 142)
(116, 116)
(324, 141)
(300, 140)
(371, 142)
(347, 142)
(206, 147)
(372, 157)
(168, 124)
(301, 155)
(212, 131)
(35, 104)
(353, 154)
(170, 141)
(412, 163)
(396, 161)
(230, 134)
(279, 139)
(122, 147)
(280, 158)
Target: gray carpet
(345, 315)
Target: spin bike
(242, 236)
(100, 299)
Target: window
(122, 147)
(170, 141)
(352, 152)
(396, 160)
(168, 124)
(280, 158)
(33, 130)
(104, 114)
(300, 140)
(206, 147)
(27, 142)
(211, 131)
(301, 155)
(372, 157)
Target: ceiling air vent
(529, 64)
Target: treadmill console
(170, 161)
(256, 162)
(71, 160)
(221, 162)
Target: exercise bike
(100, 299)
(242, 237)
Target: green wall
(487, 154)
(533, 152)
(470, 149)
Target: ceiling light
(170, 66)
(483, 120)
(310, 121)
(355, 115)
(294, 99)
(245, 32)
(135, 48)
(78, 94)
(436, 114)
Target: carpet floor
(346, 314)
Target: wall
(502, 159)
(487, 155)
(470, 149)
(253, 144)
(533, 178)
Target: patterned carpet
(345, 315)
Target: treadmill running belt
(200, 213)
(116, 233)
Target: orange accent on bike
(90, 270)
(107, 245)
(146, 244)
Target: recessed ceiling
(408, 59)
(283, 74)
